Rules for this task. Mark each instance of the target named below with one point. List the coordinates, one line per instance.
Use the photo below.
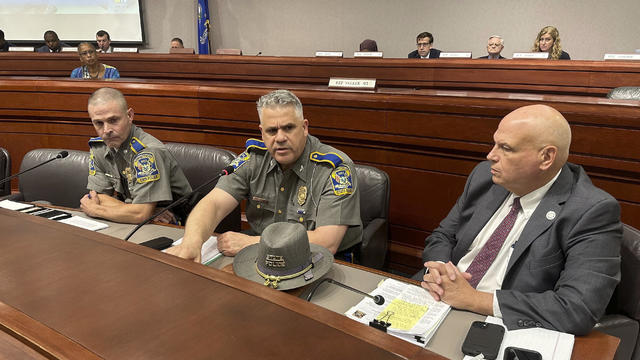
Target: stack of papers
(552, 345)
(84, 223)
(210, 250)
(12, 205)
(414, 315)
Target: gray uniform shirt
(141, 171)
(319, 189)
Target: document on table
(84, 223)
(552, 345)
(209, 249)
(13, 205)
(414, 315)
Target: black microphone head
(62, 154)
(228, 170)
(378, 299)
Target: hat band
(273, 280)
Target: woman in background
(91, 68)
(548, 41)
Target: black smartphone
(514, 353)
(483, 338)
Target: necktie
(488, 253)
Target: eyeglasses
(423, 44)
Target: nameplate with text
(622, 56)
(21, 48)
(347, 83)
(456, 55)
(69, 49)
(329, 54)
(530, 55)
(367, 54)
(125, 50)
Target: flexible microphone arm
(378, 299)
(61, 155)
(226, 171)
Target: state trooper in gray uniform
(130, 171)
(289, 176)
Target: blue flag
(203, 27)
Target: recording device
(378, 299)
(155, 242)
(483, 338)
(514, 353)
(61, 155)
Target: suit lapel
(480, 217)
(545, 214)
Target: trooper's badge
(145, 167)
(341, 180)
(302, 195)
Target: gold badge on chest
(302, 195)
(128, 173)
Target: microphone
(259, 53)
(61, 155)
(154, 243)
(378, 299)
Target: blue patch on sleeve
(341, 181)
(146, 169)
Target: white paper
(12, 205)
(209, 249)
(84, 223)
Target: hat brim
(244, 266)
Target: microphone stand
(378, 299)
(61, 155)
(226, 171)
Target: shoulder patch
(254, 144)
(341, 180)
(331, 158)
(146, 169)
(92, 167)
(240, 160)
(137, 145)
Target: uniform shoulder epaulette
(95, 141)
(255, 144)
(330, 158)
(137, 145)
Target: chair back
(61, 182)
(5, 171)
(201, 163)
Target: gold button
(258, 206)
(301, 219)
(279, 211)
(282, 189)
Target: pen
(214, 259)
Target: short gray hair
(280, 98)
(497, 37)
(104, 95)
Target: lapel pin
(551, 215)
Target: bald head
(106, 95)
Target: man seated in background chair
(103, 40)
(424, 43)
(290, 176)
(176, 43)
(530, 240)
(130, 172)
(495, 44)
(51, 43)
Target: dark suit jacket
(45, 49)
(487, 56)
(433, 54)
(566, 263)
(564, 56)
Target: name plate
(125, 50)
(69, 49)
(456, 55)
(530, 55)
(367, 54)
(622, 56)
(22, 48)
(329, 54)
(347, 83)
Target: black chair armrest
(374, 243)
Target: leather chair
(625, 93)
(5, 171)
(623, 313)
(374, 188)
(200, 163)
(61, 182)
